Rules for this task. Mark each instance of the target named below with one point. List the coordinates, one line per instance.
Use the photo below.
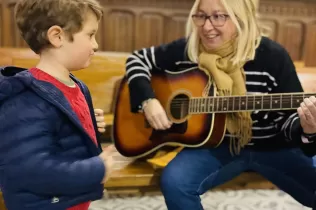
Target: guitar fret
(195, 105)
(231, 103)
(207, 108)
(233, 106)
(219, 102)
(257, 102)
(213, 102)
(207, 105)
(251, 102)
(239, 99)
(275, 102)
(254, 102)
(202, 105)
(192, 104)
(296, 101)
(242, 107)
(225, 103)
(245, 103)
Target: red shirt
(78, 104)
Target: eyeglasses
(217, 20)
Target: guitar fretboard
(247, 103)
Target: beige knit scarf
(229, 79)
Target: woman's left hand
(99, 116)
(307, 114)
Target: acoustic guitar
(198, 119)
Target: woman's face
(221, 29)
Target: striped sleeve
(291, 128)
(139, 67)
(141, 64)
(279, 126)
(288, 82)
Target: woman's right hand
(156, 115)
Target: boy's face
(78, 52)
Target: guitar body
(132, 135)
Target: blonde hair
(243, 13)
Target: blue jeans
(194, 171)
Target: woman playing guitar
(224, 40)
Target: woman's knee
(171, 179)
(187, 171)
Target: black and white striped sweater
(272, 71)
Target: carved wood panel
(151, 28)
(119, 30)
(134, 24)
(1, 24)
(310, 44)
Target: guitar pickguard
(175, 128)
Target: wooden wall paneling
(175, 26)
(6, 25)
(150, 30)
(292, 38)
(2, 20)
(310, 45)
(130, 25)
(11, 35)
(119, 30)
(17, 39)
(270, 27)
(292, 18)
(99, 35)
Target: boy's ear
(56, 36)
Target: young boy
(50, 158)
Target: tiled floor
(213, 200)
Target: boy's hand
(99, 116)
(107, 157)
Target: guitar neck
(225, 104)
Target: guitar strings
(269, 97)
(228, 102)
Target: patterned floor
(213, 200)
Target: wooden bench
(101, 77)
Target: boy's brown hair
(35, 17)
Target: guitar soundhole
(179, 107)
